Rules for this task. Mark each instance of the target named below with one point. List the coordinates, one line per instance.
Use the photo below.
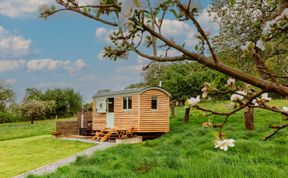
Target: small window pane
(124, 103)
(129, 102)
(154, 102)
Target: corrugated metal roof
(107, 93)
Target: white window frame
(127, 103)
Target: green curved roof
(107, 93)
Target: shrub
(6, 117)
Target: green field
(187, 151)
(24, 147)
(10, 131)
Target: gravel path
(53, 166)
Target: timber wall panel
(99, 119)
(126, 118)
(154, 121)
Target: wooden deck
(113, 134)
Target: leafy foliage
(7, 97)
(67, 101)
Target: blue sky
(63, 51)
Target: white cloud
(10, 65)
(100, 32)
(206, 22)
(175, 28)
(76, 67)
(12, 46)
(52, 64)
(21, 8)
(103, 34)
(45, 64)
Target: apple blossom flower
(224, 144)
(285, 109)
(268, 28)
(230, 82)
(205, 90)
(128, 9)
(255, 103)
(265, 97)
(260, 45)
(194, 101)
(238, 96)
(44, 10)
(247, 45)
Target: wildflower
(194, 101)
(285, 109)
(238, 96)
(224, 144)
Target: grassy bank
(187, 151)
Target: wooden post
(82, 119)
(249, 118)
(56, 117)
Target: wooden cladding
(154, 120)
(148, 111)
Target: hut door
(110, 113)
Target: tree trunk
(249, 118)
(187, 114)
(32, 120)
(172, 106)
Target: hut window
(127, 102)
(154, 102)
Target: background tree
(244, 22)
(7, 97)
(67, 101)
(36, 110)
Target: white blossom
(44, 10)
(247, 45)
(238, 96)
(205, 90)
(194, 101)
(224, 144)
(255, 103)
(128, 9)
(267, 28)
(285, 109)
(230, 81)
(260, 45)
(265, 97)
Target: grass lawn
(25, 129)
(25, 146)
(24, 154)
(187, 151)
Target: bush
(6, 117)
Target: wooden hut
(144, 109)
